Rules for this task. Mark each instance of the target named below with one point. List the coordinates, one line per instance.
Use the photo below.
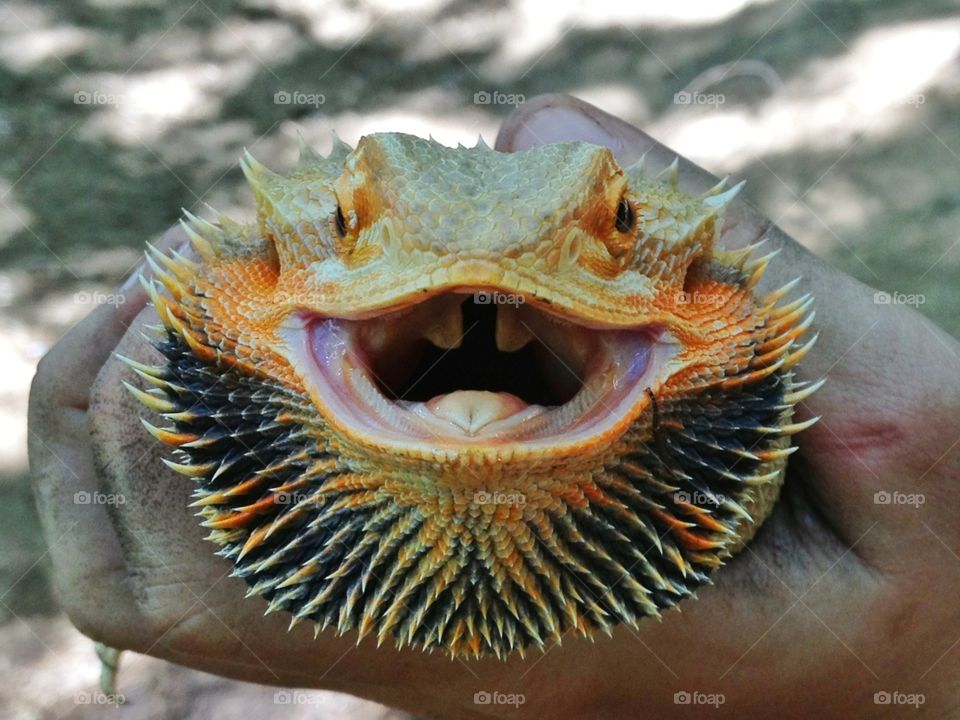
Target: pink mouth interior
(453, 372)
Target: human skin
(838, 597)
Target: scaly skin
(342, 507)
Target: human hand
(838, 597)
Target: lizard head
(474, 400)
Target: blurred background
(841, 116)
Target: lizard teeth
(445, 329)
(440, 322)
(512, 332)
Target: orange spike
(229, 520)
(167, 435)
(154, 402)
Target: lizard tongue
(472, 410)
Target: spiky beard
(351, 545)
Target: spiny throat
(471, 572)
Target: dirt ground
(842, 117)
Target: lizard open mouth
(477, 367)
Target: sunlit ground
(114, 115)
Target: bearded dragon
(474, 401)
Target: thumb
(891, 371)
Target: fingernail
(560, 124)
(564, 118)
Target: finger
(869, 353)
(89, 568)
(73, 503)
(563, 118)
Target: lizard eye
(339, 224)
(620, 244)
(626, 218)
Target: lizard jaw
(344, 363)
